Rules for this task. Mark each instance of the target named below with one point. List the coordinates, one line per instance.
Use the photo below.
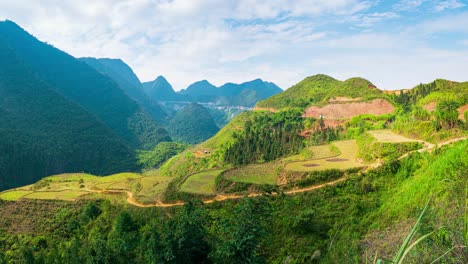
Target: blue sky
(394, 44)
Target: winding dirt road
(222, 197)
(218, 198)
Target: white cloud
(221, 41)
(369, 20)
(450, 4)
(409, 5)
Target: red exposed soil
(461, 111)
(430, 106)
(348, 110)
(311, 165)
(396, 92)
(337, 160)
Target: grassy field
(266, 173)
(346, 160)
(201, 183)
(387, 136)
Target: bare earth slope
(350, 109)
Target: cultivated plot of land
(151, 188)
(266, 173)
(75, 186)
(346, 160)
(387, 136)
(201, 183)
(314, 152)
(13, 195)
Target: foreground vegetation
(350, 222)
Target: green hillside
(80, 83)
(44, 133)
(124, 76)
(434, 92)
(193, 124)
(318, 89)
(362, 219)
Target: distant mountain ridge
(230, 94)
(161, 90)
(244, 94)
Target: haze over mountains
(62, 114)
(230, 94)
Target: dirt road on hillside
(222, 197)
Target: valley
(98, 166)
(145, 190)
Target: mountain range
(61, 115)
(64, 114)
(230, 94)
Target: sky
(394, 44)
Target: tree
(446, 115)
(242, 233)
(152, 242)
(123, 238)
(186, 236)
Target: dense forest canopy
(44, 133)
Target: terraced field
(75, 186)
(314, 152)
(266, 173)
(345, 160)
(201, 183)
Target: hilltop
(161, 90)
(319, 89)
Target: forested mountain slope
(43, 133)
(124, 76)
(193, 124)
(80, 83)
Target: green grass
(13, 195)
(348, 149)
(265, 173)
(201, 183)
